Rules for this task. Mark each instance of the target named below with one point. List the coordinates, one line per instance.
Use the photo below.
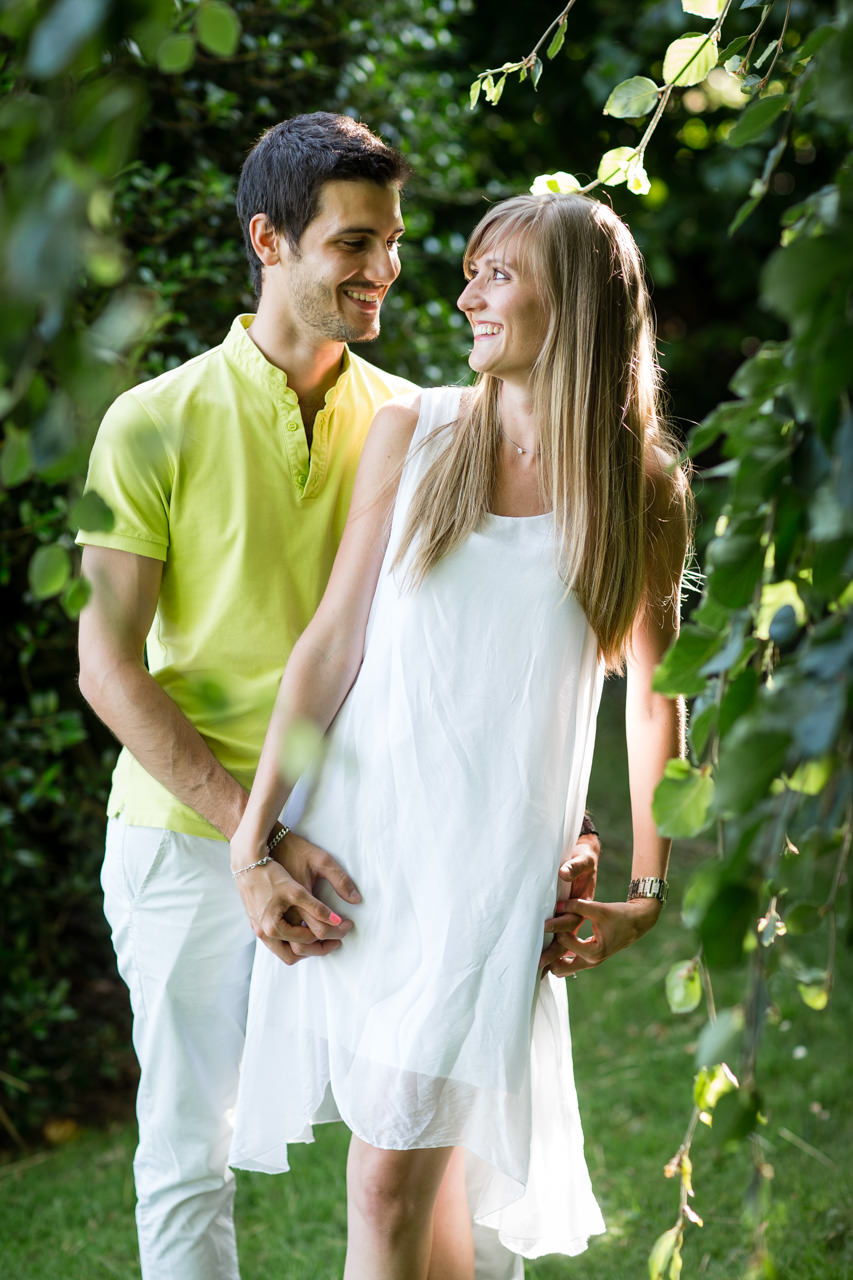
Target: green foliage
(767, 654)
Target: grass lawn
(67, 1213)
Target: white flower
(638, 179)
(560, 183)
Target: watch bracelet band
(649, 887)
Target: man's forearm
(157, 733)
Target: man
(229, 479)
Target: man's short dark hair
(286, 169)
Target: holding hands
(278, 896)
(614, 925)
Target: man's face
(347, 260)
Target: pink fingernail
(335, 918)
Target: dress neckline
(543, 515)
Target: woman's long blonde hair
(595, 396)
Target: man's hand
(615, 925)
(578, 875)
(280, 904)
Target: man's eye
(353, 244)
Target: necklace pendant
(520, 450)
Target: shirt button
(292, 425)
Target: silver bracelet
(649, 887)
(277, 838)
(262, 862)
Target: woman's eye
(500, 275)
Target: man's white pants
(184, 947)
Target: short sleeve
(132, 469)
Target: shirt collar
(242, 351)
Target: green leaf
(679, 671)
(684, 986)
(91, 514)
(756, 118)
(728, 919)
(682, 800)
(733, 47)
(536, 72)
(474, 93)
(719, 1039)
(761, 374)
(176, 54)
(557, 42)
(704, 8)
(16, 461)
(218, 28)
(688, 60)
(795, 278)
(813, 42)
(613, 166)
(711, 1084)
(75, 595)
(811, 776)
(702, 725)
(738, 698)
(497, 91)
(665, 1257)
(736, 562)
(816, 997)
(635, 97)
(48, 571)
(751, 758)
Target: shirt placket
(296, 446)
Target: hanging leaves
(682, 800)
(557, 40)
(684, 986)
(635, 97)
(688, 60)
(176, 53)
(757, 118)
(49, 570)
(218, 28)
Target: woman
(506, 544)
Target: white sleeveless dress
(453, 782)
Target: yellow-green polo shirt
(207, 468)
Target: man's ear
(266, 242)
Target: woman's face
(507, 313)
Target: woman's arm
(319, 673)
(653, 731)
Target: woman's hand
(578, 875)
(279, 899)
(615, 925)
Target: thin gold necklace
(516, 446)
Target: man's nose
(383, 266)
